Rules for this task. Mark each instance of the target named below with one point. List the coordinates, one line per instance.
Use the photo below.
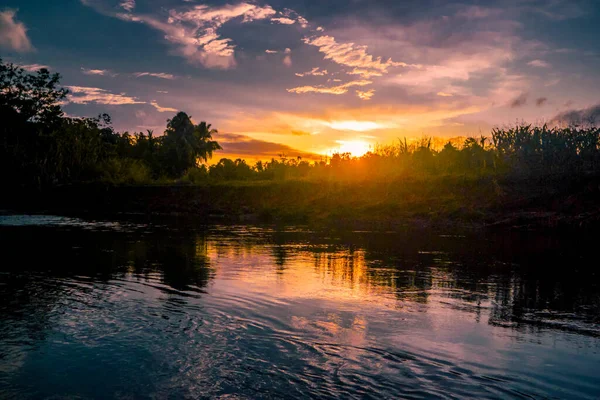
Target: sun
(356, 148)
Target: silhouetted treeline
(40, 146)
(523, 151)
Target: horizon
(300, 78)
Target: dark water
(129, 310)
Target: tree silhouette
(185, 145)
(31, 98)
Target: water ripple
(245, 314)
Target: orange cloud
(86, 95)
(162, 109)
(161, 75)
(314, 72)
(101, 72)
(365, 95)
(283, 20)
(340, 89)
(352, 55)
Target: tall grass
(522, 151)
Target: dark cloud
(586, 116)
(244, 146)
(540, 101)
(519, 101)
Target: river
(170, 309)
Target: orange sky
(311, 78)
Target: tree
(185, 145)
(39, 146)
(30, 112)
(31, 98)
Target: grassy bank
(447, 201)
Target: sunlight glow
(356, 126)
(356, 148)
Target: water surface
(126, 309)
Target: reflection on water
(130, 310)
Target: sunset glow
(355, 126)
(299, 78)
(356, 148)
(299, 198)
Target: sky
(313, 77)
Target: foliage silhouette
(41, 147)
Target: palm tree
(185, 144)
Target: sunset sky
(315, 76)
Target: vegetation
(42, 148)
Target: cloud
(337, 90)
(558, 10)
(444, 94)
(160, 75)
(283, 20)
(87, 95)
(290, 17)
(520, 101)
(352, 55)
(33, 67)
(91, 95)
(365, 95)
(161, 91)
(365, 73)
(162, 109)
(313, 72)
(541, 101)
(303, 22)
(13, 34)
(475, 59)
(101, 72)
(478, 12)
(243, 146)
(538, 64)
(586, 116)
(127, 5)
(194, 33)
(287, 60)
(217, 16)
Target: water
(97, 309)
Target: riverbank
(447, 202)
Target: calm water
(129, 310)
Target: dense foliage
(40, 146)
(523, 151)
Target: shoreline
(448, 204)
